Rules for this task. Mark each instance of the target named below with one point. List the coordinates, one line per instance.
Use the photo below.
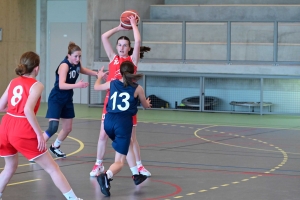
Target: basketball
(125, 22)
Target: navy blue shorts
(60, 105)
(118, 127)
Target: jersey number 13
(125, 97)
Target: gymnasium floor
(191, 155)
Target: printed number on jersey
(124, 96)
(17, 92)
(72, 74)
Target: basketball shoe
(97, 170)
(138, 178)
(144, 171)
(104, 183)
(57, 152)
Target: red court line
(178, 190)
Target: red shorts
(134, 118)
(17, 135)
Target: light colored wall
(18, 22)
(110, 9)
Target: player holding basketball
(19, 129)
(123, 48)
(121, 106)
(60, 101)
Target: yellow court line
(231, 145)
(17, 183)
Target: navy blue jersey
(121, 99)
(72, 75)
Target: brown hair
(143, 49)
(127, 72)
(28, 61)
(72, 48)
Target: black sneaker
(104, 183)
(57, 152)
(138, 178)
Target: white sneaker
(144, 171)
(97, 170)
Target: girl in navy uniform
(122, 105)
(60, 101)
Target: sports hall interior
(226, 71)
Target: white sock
(57, 143)
(134, 170)
(70, 195)
(109, 174)
(139, 163)
(98, 162)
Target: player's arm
(3, 100)
(35, 94)
(106, 43)
(98, 85)
(63, 73)
(137, 40)
(87, 71)
(139, 92)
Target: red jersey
(114, 67)
(18, 93)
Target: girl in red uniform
(20, 130)
(123, 49)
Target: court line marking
(22, 182)
(285, 157)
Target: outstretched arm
(87, 71)
(98, 85)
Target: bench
(250, 105)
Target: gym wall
(18, 23)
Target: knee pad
(52, 129)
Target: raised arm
(137, 40)
(98, 85)
(105, 41)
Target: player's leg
(101, 147)
(136, 149)
(54, 111)
(105, 178)
(11, 164)
(52, 129)
(60, 181)
(66, 129)
(137, 177)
